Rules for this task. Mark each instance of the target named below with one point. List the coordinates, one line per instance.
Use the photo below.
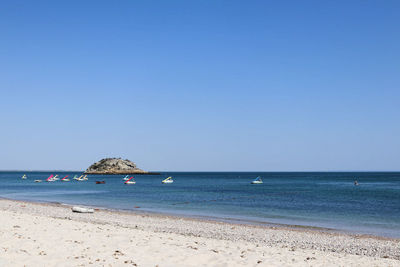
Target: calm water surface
(311, 199)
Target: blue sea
(326, 199)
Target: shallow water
(327, 200)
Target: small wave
(52, 193)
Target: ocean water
(328, 200)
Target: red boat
(100, 182)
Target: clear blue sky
(201, 85)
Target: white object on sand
(82, 209)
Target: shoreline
(202, 218)
(51, 234)
(213, 219)
(283, 240)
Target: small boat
(24, 176)
(126, 178)
(65, 179)
(38, 181)
(168, 180)
(130, 181)
(257, 181)
(82, 209)
(355, 182)
(82, 178)
(50, 178)
(100, 182)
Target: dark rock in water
(114, 166)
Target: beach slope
(35, 234)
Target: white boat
(38, 181)
(168, 180)
(82, 178)
(24, 176)
(78, 178)
(257, 181)
(82, 209)
(65, 179)
(130, 181)
(51, 178)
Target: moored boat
(24, 176)
(257, 181)
(130, 181)
(82, 178)
(168, 180)
(51, 178)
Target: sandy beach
(35, 234)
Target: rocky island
(115, 166)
